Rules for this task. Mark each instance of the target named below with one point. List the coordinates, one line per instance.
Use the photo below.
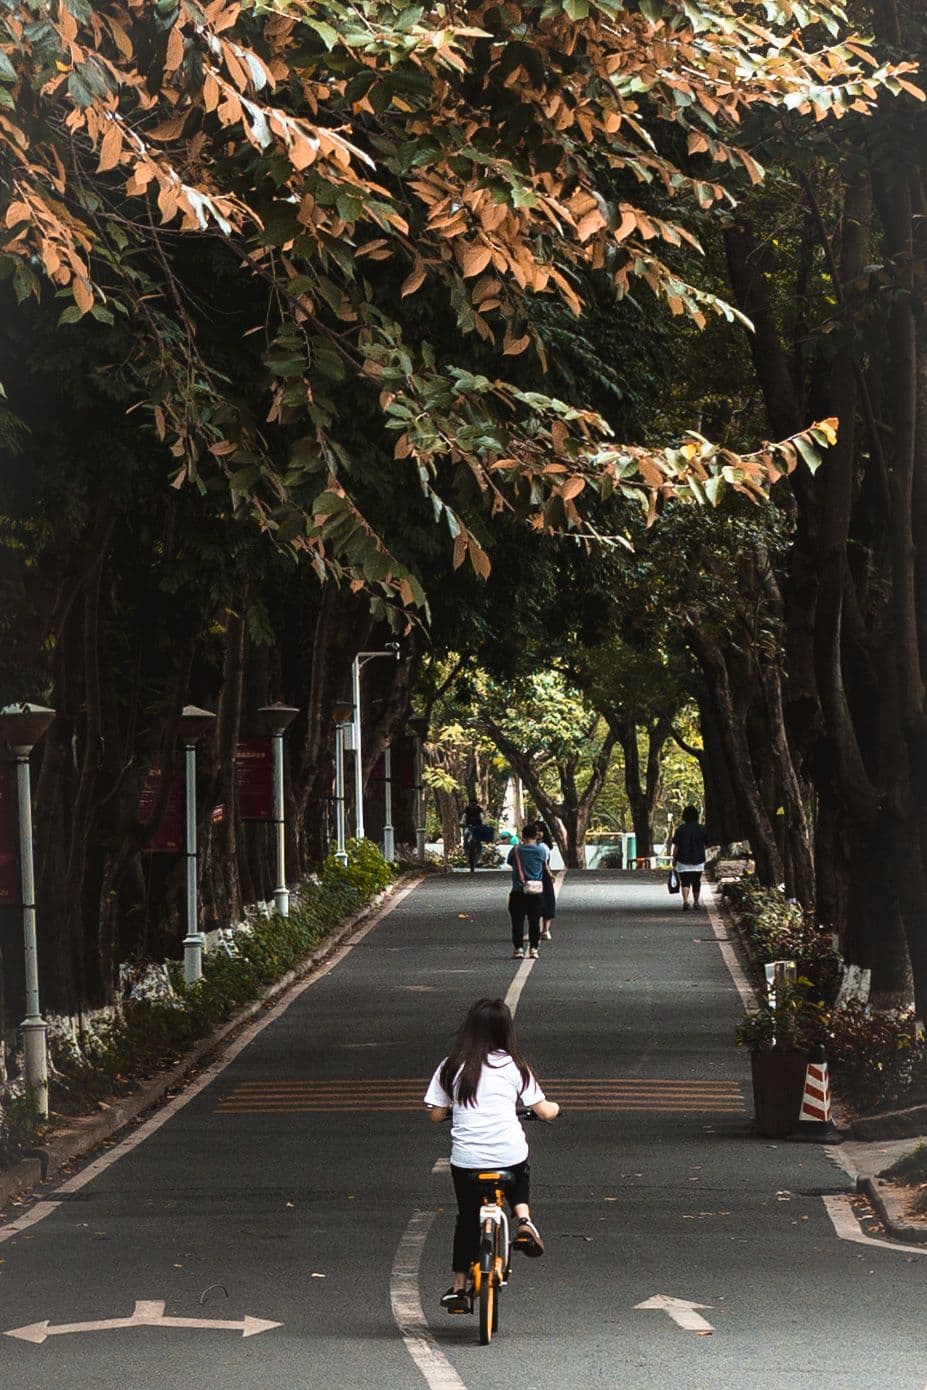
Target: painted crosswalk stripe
(656, 1095)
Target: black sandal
(456, 1301)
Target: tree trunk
(769, 867)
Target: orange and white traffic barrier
(814, 1117)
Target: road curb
(84, 1133)
(893, 1124)
(884, 1197)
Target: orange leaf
(627, 225)
(474, 259)
(83, 294)
(572, 487)
(479, 559)
(415, 280)
(174, 55)
(110, 148)
(460, 550)
(514, 346)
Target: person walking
(481, 1084)
(526, 900)
(690, 840)
(549, 893)
(473, 833)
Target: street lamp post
(344, 711)
(22, 726)
(277, 718)
(193, 724)
(359, 661)
(418, 724)
(389, 839)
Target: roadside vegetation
(96, 1058)
(877, 1058)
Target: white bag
(533, 885)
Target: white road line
(99, 1165)
(513, 993)
(729, 955)
(846, 1224)
(407, 1308)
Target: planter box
(778, 1086)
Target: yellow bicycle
(490, 1271)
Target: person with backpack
(690, 840)
(473, 833)
(528, 860)
(481, 1084)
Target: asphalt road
(298, 1188)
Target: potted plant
(778, 1036)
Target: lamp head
(277, 718)
(343, 711)
(194, 722)
(21, 726)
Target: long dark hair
(487, 1028)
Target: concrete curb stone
(893, 1124)
(79, 1136)
(884, 1197)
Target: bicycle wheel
(489, 1313)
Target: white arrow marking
(681, 1311)
(148, 1313)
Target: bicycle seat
(495, 1175)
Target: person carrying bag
(528, 861)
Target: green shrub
(877, 1059)
(20, 1126)
(797, 1021)
(777, 928)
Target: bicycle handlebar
(521, 1114)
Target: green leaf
(808, 452)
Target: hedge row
(876, 1059)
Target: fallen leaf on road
(315, 1275)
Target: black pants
(524, 906)
(470, 1199)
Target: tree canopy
(392, 180)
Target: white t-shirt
(488, 1133)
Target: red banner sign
(168, 838)
(9, 839)
(254, 763)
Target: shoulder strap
(521, 867)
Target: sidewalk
(864, 1161)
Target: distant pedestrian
(549, 895)
(473, 833)
(528, 859)
(690, 840)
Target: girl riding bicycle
(481, 1084)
